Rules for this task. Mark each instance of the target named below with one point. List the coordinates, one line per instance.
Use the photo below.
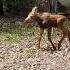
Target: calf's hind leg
(65, 33)
(69, 37)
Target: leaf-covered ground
(18, 49)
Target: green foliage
(14, 33)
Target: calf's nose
(25, 21)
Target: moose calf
(49, 21)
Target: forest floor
(18, 48)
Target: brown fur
(48, 20)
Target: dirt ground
(24, 56)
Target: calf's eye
(31, 16)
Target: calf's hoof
(54, 48)
(38, 47)
(59, 47)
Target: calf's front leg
(39, 37)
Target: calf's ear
(35, 10)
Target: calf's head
(31, 16)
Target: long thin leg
(40, 37)
(49, 38)
(64, 32)
(59, 44)
(69, 36)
